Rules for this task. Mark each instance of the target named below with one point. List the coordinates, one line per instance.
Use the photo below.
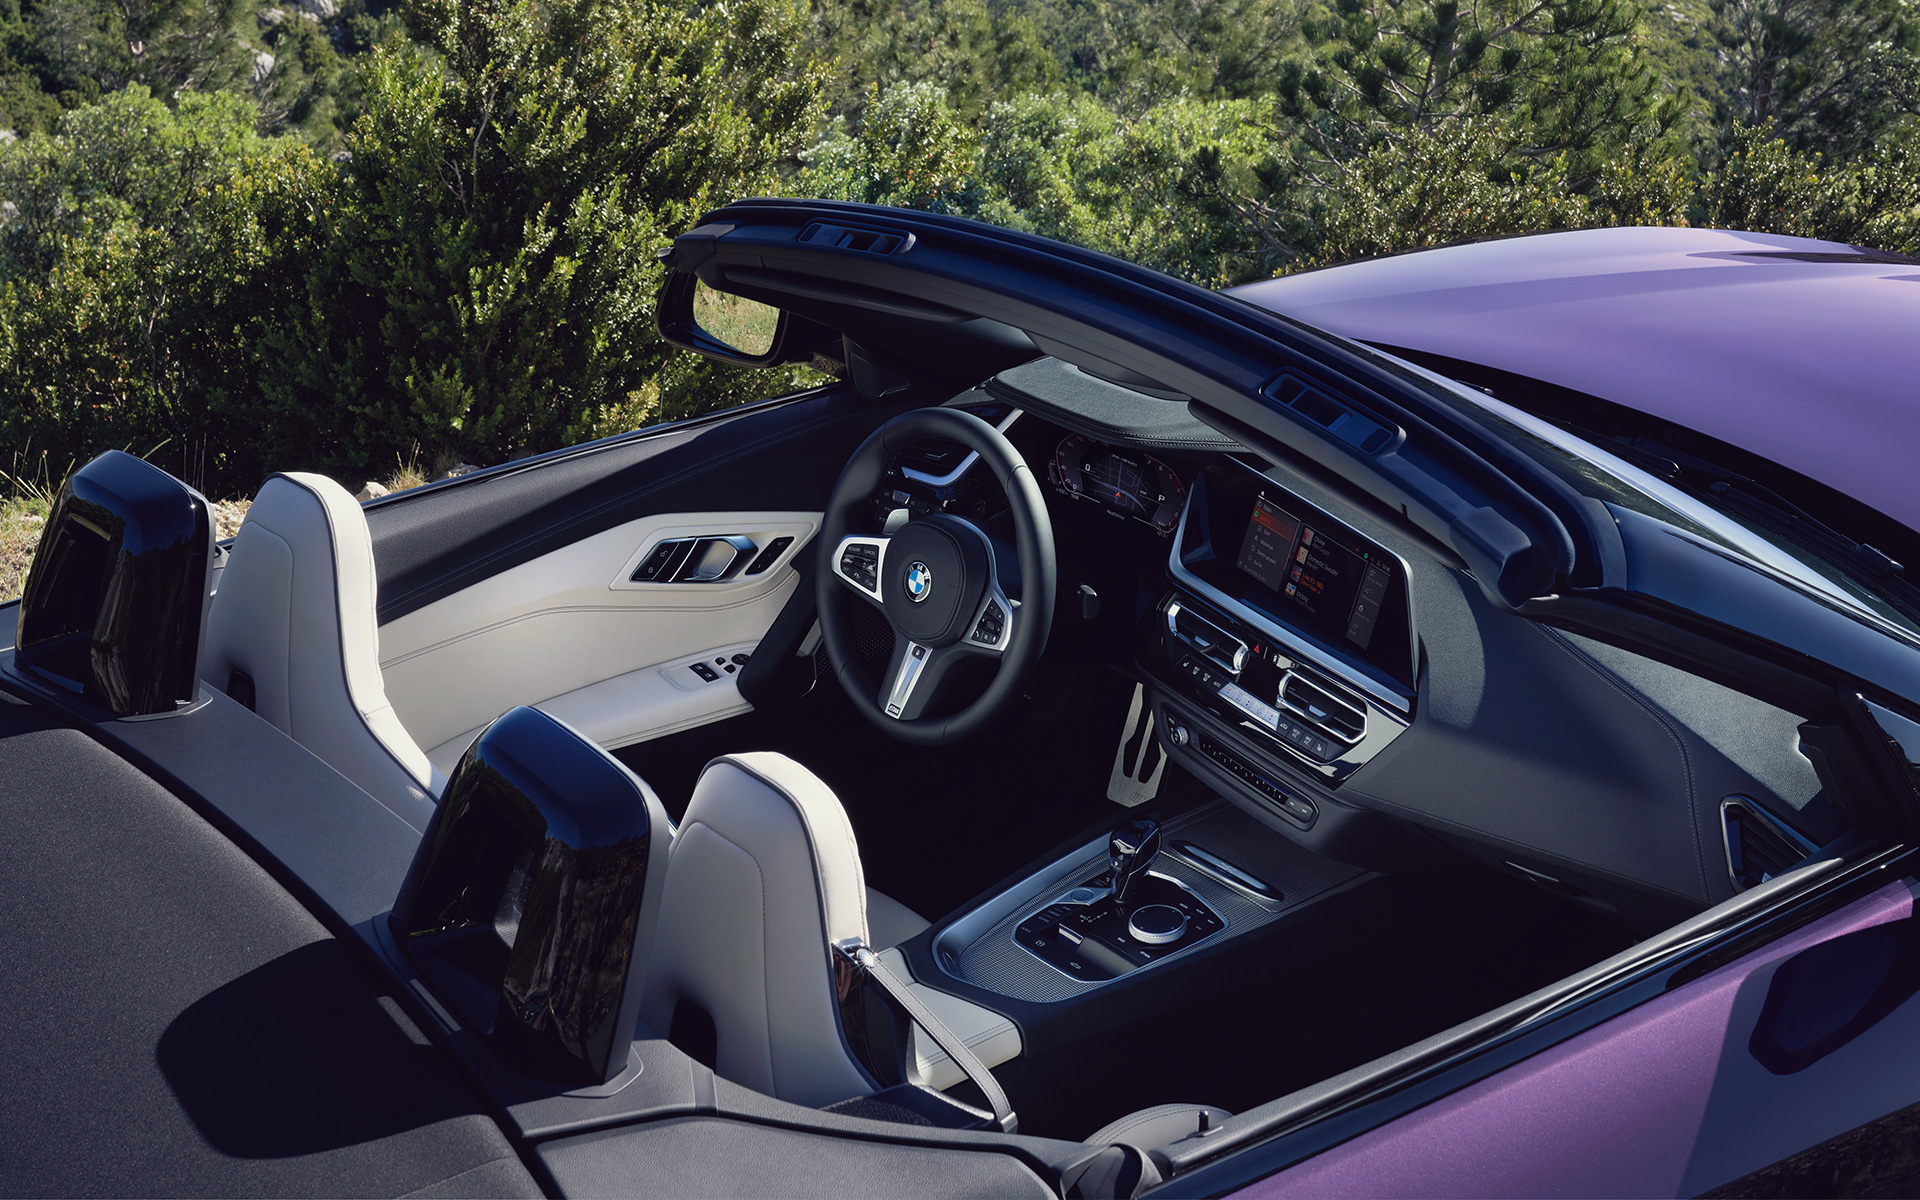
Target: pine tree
(1825, 75)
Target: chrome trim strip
(966, 464)
(1225, 873)
(912, 661)
(1298, 646)
(1240, 651)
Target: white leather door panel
(572, 629)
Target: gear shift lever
(1130, 850)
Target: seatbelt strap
(863, 957)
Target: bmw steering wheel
(938, 581)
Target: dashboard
(1275, 624)
(1277, 627)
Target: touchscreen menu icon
(1268, 545)
(1339, 588)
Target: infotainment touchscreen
(1334, 583)
(1270, 550)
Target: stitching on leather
(813, 843)
(1665, 721)
(575, 609)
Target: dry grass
(23, 517)
(24, 502)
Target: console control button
(861, 563)
(1156, 924)
(650, 569)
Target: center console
(1123, 919)
(1285, 654)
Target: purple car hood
(1804, 352)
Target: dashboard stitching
(1666, 723)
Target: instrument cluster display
(1127, 483)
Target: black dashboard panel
(1272, 551)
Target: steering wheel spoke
(858, 563)
(913, 676)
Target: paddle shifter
(1130, 851)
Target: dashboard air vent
(1322, 708)
(1313, 405)
(866, 241)
(1759, 844)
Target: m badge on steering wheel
(919, 582)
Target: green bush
(1873, 202)
(486, 280)
(141, 256)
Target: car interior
(1168, 776)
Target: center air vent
(1320, 706)
(866, 241)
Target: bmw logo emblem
(919, 582)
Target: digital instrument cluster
(1128, 484)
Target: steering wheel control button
(919, 582)
(860, 562)
(1157, 924)
(992, 625)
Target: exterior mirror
(746, 326)
(696, 316)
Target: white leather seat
(295, 614)
(763, 878)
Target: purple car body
(1803, 352)
(1806, 353)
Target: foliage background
(360, 235)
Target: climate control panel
(1273, 698)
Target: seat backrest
(294, 617)
(763, 877)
